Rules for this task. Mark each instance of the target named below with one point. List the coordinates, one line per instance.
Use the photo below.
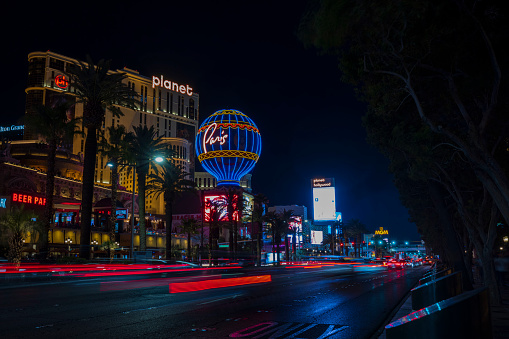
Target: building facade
(171, 108)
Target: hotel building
(171, 108)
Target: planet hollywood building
(171, 107)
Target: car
(395, 264)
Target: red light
(61, 81)
(216, 283)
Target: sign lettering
(2, 203)
(12, 128)
(28, 199)
(381, 231)
(209, 138)
(121, 213)
(61, 81)
(172, 86)
(322, 182)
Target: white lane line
(213, 301)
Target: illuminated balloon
(228, 145)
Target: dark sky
(242, 55)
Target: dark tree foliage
(431, 73)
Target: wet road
(313, 302)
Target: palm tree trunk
(87, 195)
(294, 243)
(169, 227)
(50, 187)
(189, 245)
(113, 215)
(235, 239)
(287, 248)
(142, 178)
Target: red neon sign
(224, 213)
(28, 199)
(61, 81)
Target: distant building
(206, 181)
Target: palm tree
(233, 202)
(171, 183)
(354, 228)
(216, 210)
(278, 225)
(114, 146)
(98, 90)
(17, 224)
(145, 146)
(189, 226)
(286, 218)
(259, 203)
(57, 129)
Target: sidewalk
(499, 315)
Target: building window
(191, 109)
(56, 64)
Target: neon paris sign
(172, 86)
(209, 138)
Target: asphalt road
(325, 302)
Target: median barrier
(433, 274)
(464, 316)
(437, 290)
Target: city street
(337, 301)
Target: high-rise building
(171, 108)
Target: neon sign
(381, 231)
(228, 145)
(28, 199)
(12, 128)
(2, 202)
(61, 81)
(208, 138)
(172, 86)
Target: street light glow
(159, 159)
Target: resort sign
(172, 86)
(381, 231)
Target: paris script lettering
(210, 139)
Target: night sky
(242, 55)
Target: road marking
(274, 330)
(213, 301)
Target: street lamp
(68, 241)
(110, 163)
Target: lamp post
(68, 241)
(93, 243)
